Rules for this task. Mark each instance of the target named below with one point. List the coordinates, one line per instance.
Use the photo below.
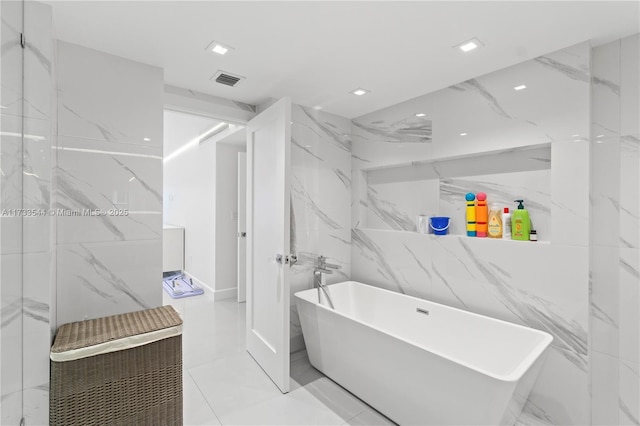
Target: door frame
(242, 216)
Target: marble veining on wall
(107, 134)
(474, 85)
(320, 188)
(372, 252)
(388, 212)
(302, 195)
(335, 135)
(414, 130)
(579, 72)
(534, 311)
(615, 265)
(107, 275)
(109, 160)
(134, 185)
(486, 137)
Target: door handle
(242, 234)
(289, 259)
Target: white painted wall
(189, 201)
(201, 195)
(226, 219)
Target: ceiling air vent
(227, 78)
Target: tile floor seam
(346, 422)
(200, 364)
(203, 397)
(198, 313)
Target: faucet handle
(322, 263)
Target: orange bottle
(481, 215)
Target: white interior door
(268, 228)
(242, 227)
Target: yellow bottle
(494, 224)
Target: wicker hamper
(119, 370)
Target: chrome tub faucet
(322, 267)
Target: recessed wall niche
(395, 195)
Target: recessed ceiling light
(421, 114)
(317, 107)
(218, 48)
(469, 45)
(146, 139)
(463, 134)
(360, 92)
(522, 86)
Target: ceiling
(316, 52)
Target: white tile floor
(224, 385)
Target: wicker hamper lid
(118, 332)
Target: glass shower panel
(38, 224)
(11, 204)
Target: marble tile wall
(615, 256)
(544, 285)
(27, 118)
(629, 266)
(320, 196)
(485, 117)
(109, 158)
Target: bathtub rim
(512, 377)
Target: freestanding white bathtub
(419, 362)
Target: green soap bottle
(520, 223)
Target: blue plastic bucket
(440, 224)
